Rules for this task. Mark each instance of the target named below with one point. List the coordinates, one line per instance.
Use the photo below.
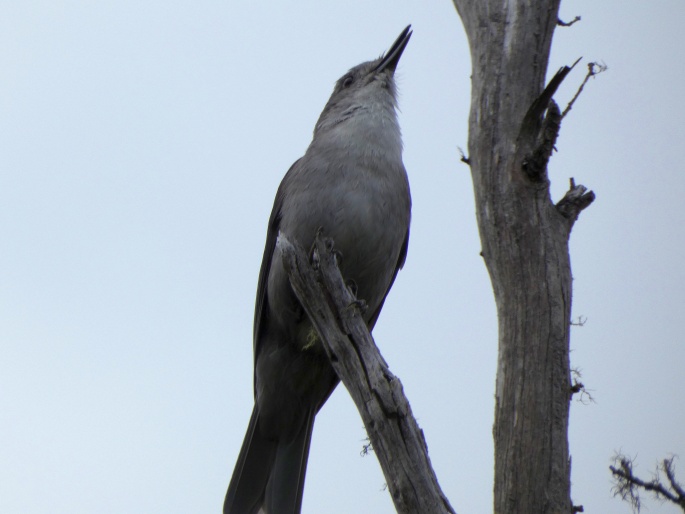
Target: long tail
(269, 474)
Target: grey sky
(141, 145)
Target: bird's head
(366, 87)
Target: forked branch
(628, 486)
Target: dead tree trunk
(512, 130)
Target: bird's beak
(392, 56)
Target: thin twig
(580, 323)
(670, 473)
(578, 387)
(593, 69)
(628, 485)
(464, 159)
(569, 23)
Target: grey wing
(400, 263)
(271, 236)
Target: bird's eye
(348, 81)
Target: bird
(352, 184)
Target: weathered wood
(513, 126)
(396, 438)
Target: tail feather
(286, 485)
(245, 493)
(269, 475)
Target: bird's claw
(314, 257)
(359, 304)
(352, 286)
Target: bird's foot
(314, 257)
(352, 286)
(359, 304)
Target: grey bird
(351, 182)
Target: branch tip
(576, 199)
(562, 23)
(463, 159)
(593, 69)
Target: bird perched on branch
(351, 182)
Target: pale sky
(141, 145)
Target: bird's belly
(363, 231)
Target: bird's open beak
(392, 56)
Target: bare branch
(534, 164)
(580, 323)
(669, 469)
(561, 23)
(627, 485)
(541, 103)
(578, 387)
(367, 448)
(464, 159)
(392, 429)
(593, 69)
(574, 201)
(624, 485)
